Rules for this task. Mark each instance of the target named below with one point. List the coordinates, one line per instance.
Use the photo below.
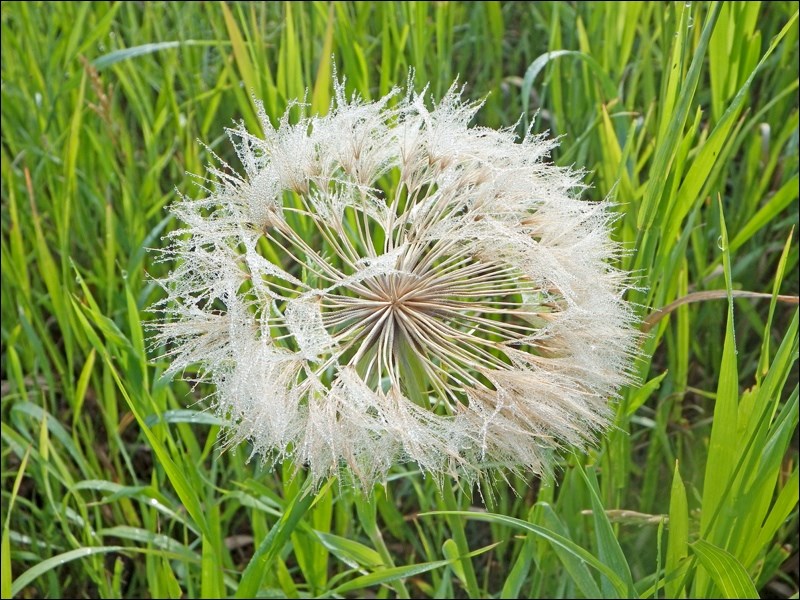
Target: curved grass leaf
(575, 566)
(571, 547)
(725, 571)
(352, 553)
(533, 70)
(392, 574)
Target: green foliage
(113, 482)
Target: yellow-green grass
(113, 483)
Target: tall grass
(685, 114)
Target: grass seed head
(386, 283)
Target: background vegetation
(113, 485)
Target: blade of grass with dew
(723, 442)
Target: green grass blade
(723, 445)
(536, 67)
(675, 123)
(726, 572)
(273, 543)
(620, 587)
(351, 552)
(392, 574)
(6, 588)
(678, 541)
(46, 565)
(576, 567)
(609, 550)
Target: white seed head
(386, 283)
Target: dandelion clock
(388, 284)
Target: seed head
(386, 283)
